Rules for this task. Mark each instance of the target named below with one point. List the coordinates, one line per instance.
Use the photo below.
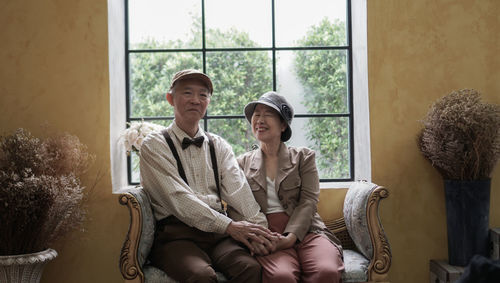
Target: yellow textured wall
(54, 70)
(419, 51)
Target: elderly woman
(285, 183)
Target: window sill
(335, 185)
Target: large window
(302, 49)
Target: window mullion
(350, 91)
(204, 54)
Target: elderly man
(186, 172)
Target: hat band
(270, 101)
(282, 109)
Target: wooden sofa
(367, 253)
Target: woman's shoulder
(243, 158)
(300, 151)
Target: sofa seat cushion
(156, 275)
(356, 266)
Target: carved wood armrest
(129, 264)
(381, 260)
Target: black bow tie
(196, 141)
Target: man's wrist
(222, 224)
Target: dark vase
(467, 217)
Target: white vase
(25, 268)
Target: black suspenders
(180, 168)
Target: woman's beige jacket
(297, 186)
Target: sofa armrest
(381, 260)
(129, 264)
(361, 215)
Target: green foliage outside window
(323, 73)
(242, 76)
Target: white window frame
(117, 90)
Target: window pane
(315, 81)
(329, 137)
(236, 131)
(134, 167)
(238, 23)
(238, 78)
(164, 24)
(323, 21)
(150, 75)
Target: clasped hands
(260, 240)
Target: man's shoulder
(153, 139)
(154, 136)
(218, 140)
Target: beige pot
(26, 268)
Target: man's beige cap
(192, 74)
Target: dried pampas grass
(41, 196)
(461, 136)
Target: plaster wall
(418, 51)
(54, 77)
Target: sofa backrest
(355, 215)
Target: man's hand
(245, 232)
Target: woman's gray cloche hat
(278, 103)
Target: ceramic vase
(25, 268)
(467, 217)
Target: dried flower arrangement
(461, 136)
(135, 134)
(41, 196)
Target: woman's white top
(273, 202)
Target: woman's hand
(265, 247)
(286, 242)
